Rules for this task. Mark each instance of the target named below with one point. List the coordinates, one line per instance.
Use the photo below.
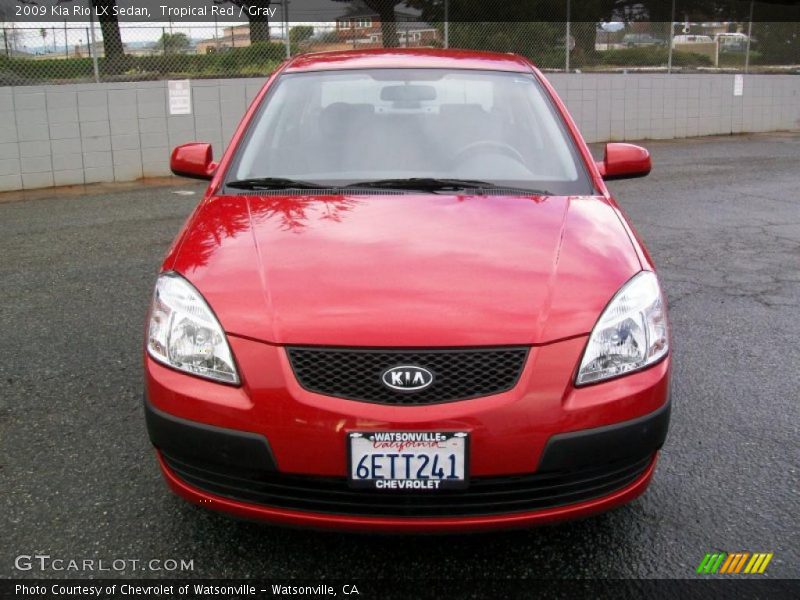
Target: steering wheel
(491, 146)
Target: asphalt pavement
(78, 479)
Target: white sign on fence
(180, 97)
(738, 85)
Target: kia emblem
(407, 378)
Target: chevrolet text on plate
(407, 302)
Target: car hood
(406, 270)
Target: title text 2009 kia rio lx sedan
(407, 302)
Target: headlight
(184, 333)
(631, 333)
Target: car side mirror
(195, 160)
(624, 161)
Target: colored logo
(736, 562)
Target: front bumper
(461, 524)
(541, 452)
(234, 472)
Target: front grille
(458, 374)
(484, 496)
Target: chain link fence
(86, 52)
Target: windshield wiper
(432, 184)
(274, 183)
(421, 184)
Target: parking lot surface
(721, 217)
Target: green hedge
(45, 69)
(258, 59)
(262, 58)
(651, 56)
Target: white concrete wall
(91, 133)
(88, 133)
(611, 107)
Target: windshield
(337, 128)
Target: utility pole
(94, 47)
(566, 40)
(671, 37)
(286, 21)
(446, 23)
(749, 35)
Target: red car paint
(360, 287)
(409, 525)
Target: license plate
(408, 460)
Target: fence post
(446, 23)
(66, 41)
(5, 42)
(749, 35)
(671, 36)
(286, 20)
(93, 43)
(566, 40)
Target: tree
(689, 10)
(541, 41)
(385, 12)
(174, 43)
(300, 33)
(584, 17)
(536, 29)
(778, 42)
(112, 40)
(11, 37)
(514, 20)
(692, 11)
(257, 15)
(776, 34)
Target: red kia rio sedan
(407, 302)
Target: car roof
(407, 58)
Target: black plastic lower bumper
(575, 467)
(637, 437)
(215, 447)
